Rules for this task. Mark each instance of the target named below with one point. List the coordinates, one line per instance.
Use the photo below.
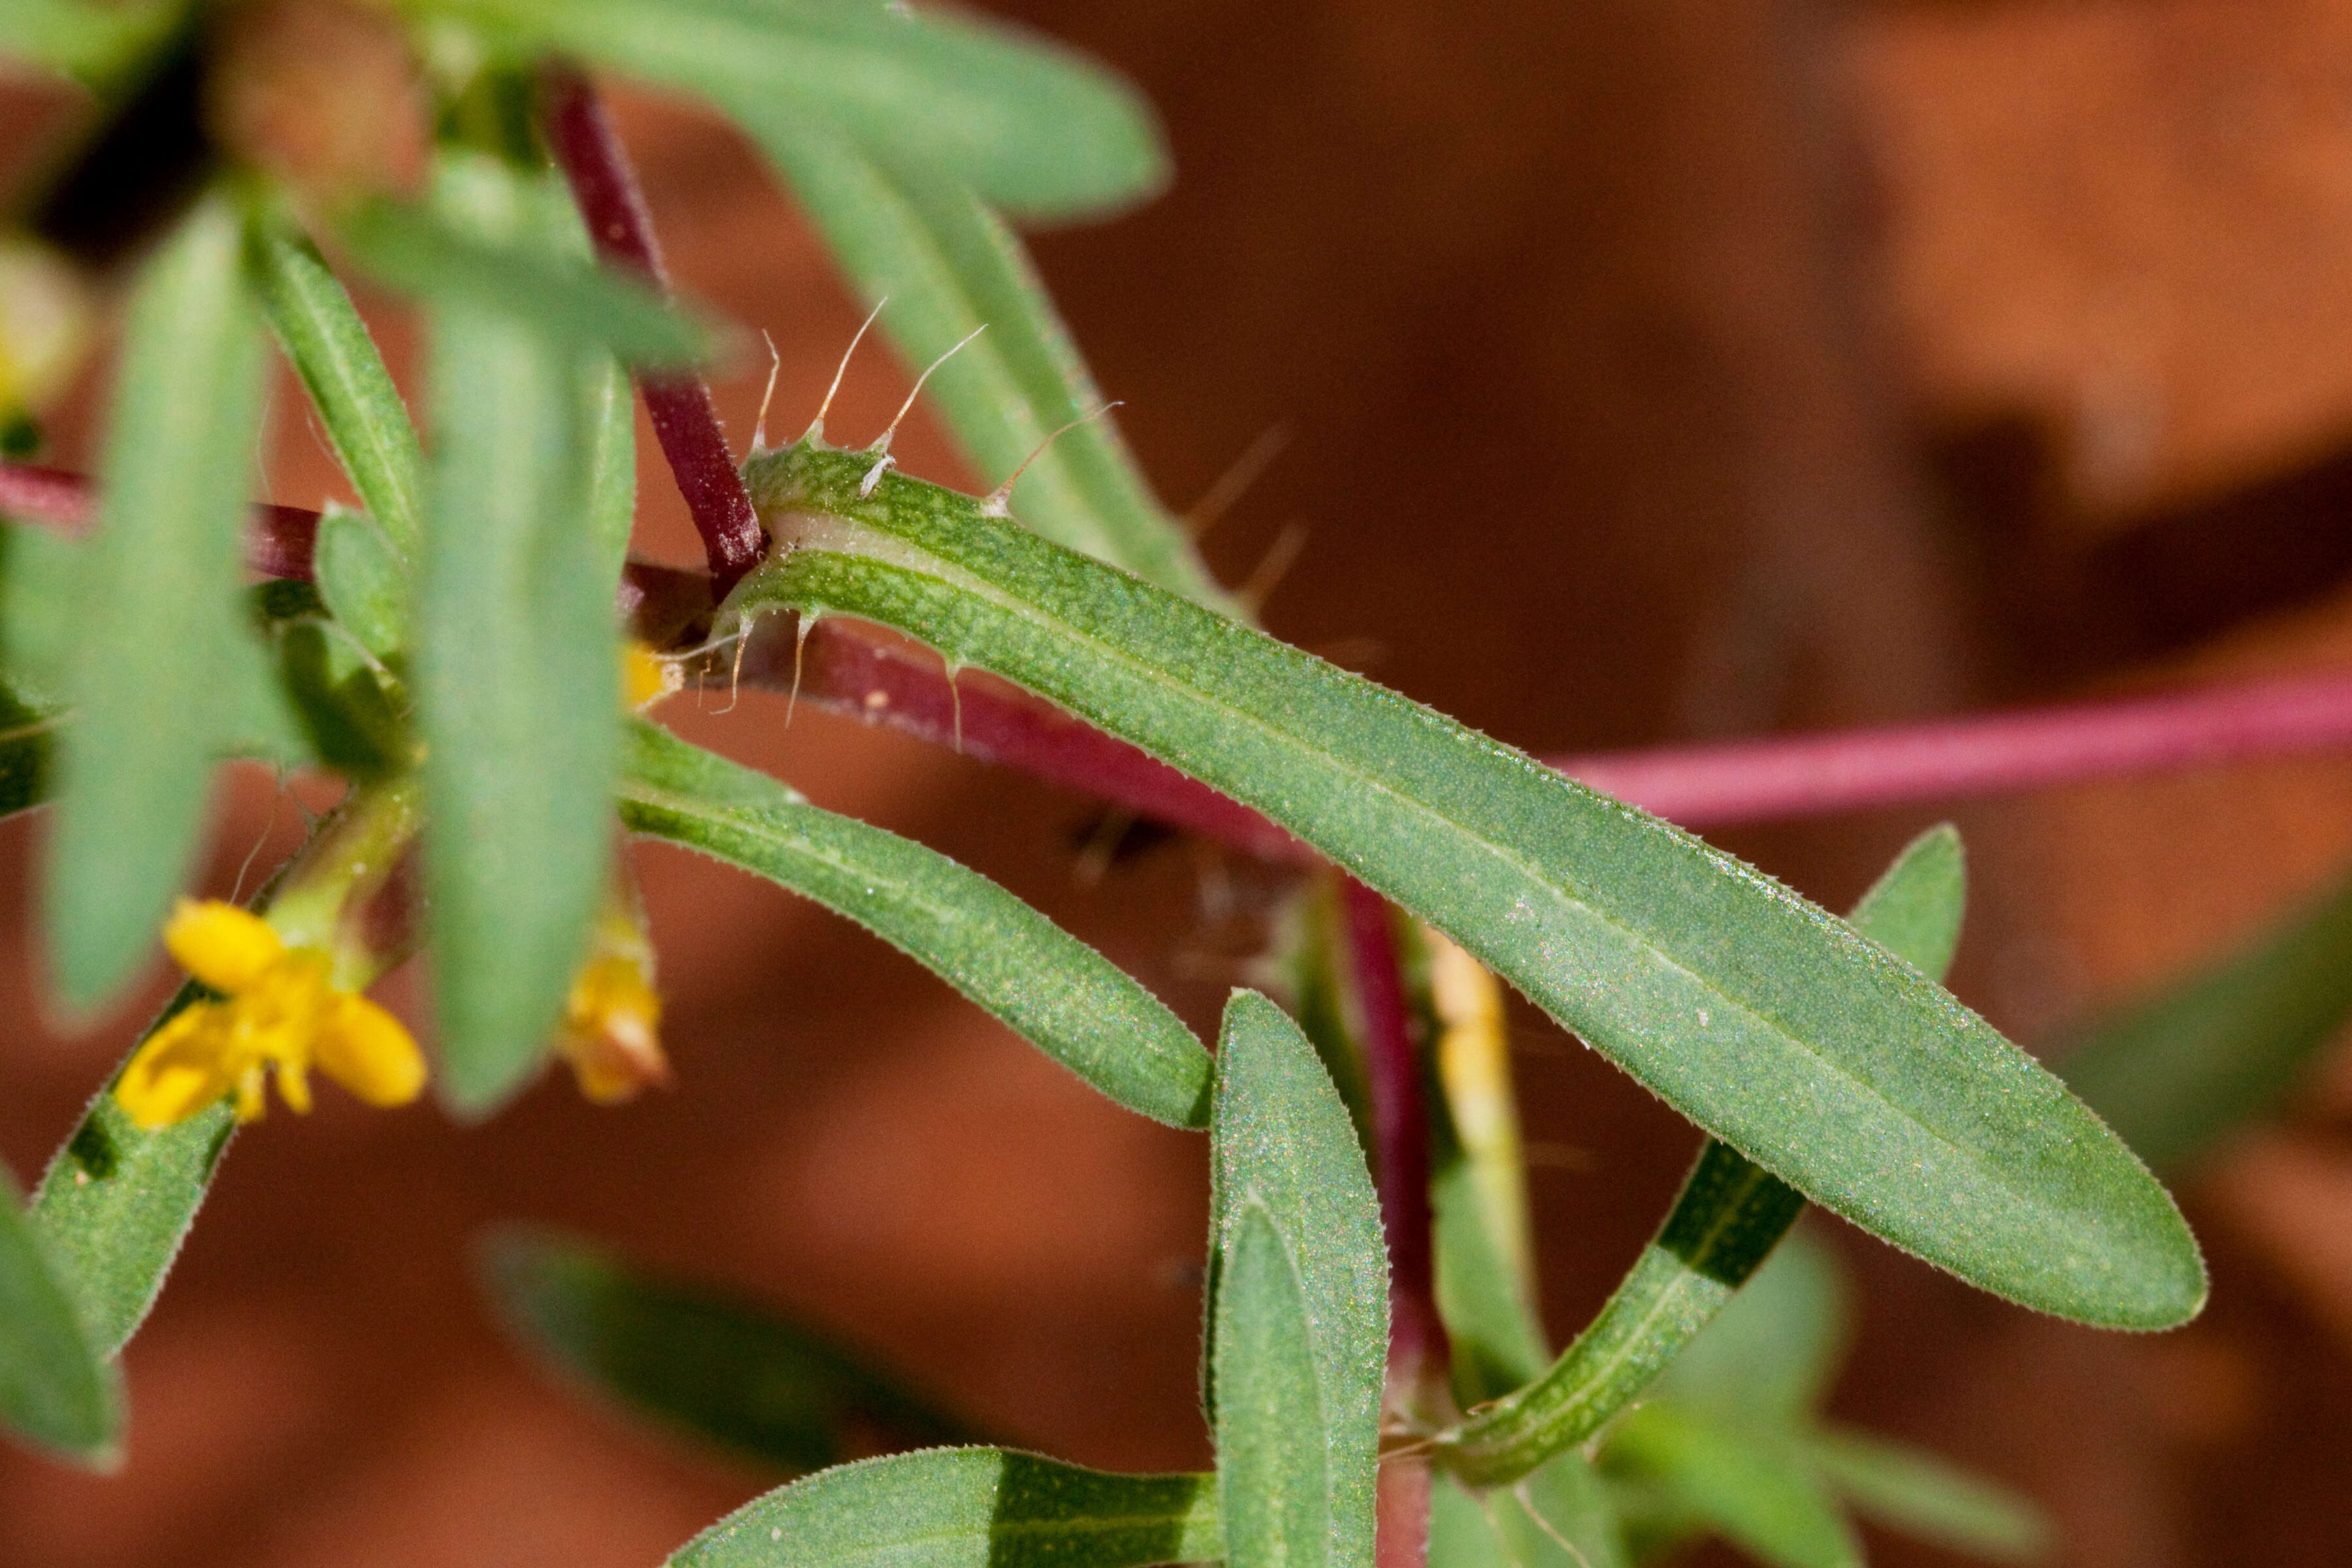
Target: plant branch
(1399, 1151)
(685, 419)
(850, 667)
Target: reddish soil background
(1652, 371)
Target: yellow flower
(611, 1029)
(646, 677)
(277, 1010)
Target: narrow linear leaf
(1285, 1167)
(362, 579)
(699, 1361)
(948, 267)
(1033, 127)
(516, 683)
(966, 1507)
(1758, 1492)
(331, 350)
(523, 280)
(1044, 984)
(162, 655)
(1729, 1217)
(609, 415)
(1920, 1495)
(1772, 1350)
(117, 1202)
(1274, 1435)
(2179, 1071)
(1765, 1020)
(56, 1389)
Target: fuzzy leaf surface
(361, 410)
(948, 267)
(1729, 1216)
(1042, 982)
(1296, 1401)
(516, 678)
(966, 1507)
(700, 1361)
(56, 1389)
(164, 660)
(1777, 1028)
(1032, 127)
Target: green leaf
(331, 349)
(1297, 1301)
(1731, 1215)
(1273, 1433)
(57, 1388)
(98, 45)
(1035, 128)
(948, 267)
(1757, 1492)
(362, 580)
(966, 1507)
(27, 731)
(1774, 1348)
(117, 1202)
(517, 677)
(699, 1361)
(1045, 984)
(1753, 1011)
(2179, 1071)
(1558, 1517)
(162, 658)
(522, 280)
(1920, 1495)
(609, 415)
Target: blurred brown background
(1652, 369)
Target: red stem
(1417, 1347)
(851, 667)
(685, 419)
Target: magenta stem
(855, 668)
(1417, 1346)
(685, 419)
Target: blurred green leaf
(1756, 1014)
(517, 674)
(699, 1361)
(158, 669)
(1299, 1270)
(1773, 1350)
(609, 415)
(966, 1507)
(362, 580)
(1759, 1492)
(1922, 1496)
(2180, 1071)
(948, 267)
(56, 1388)
(1558, 1517)
(1045, 984)
(96, 44)
(27, 739)
(1032, 127)
(361, 410)
(41, 609)
(1729, 1215)
(117, 1202)
(497, 272)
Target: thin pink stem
(685, 419)
(279, 542)
(1417, 1346)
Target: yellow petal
(369, 1051)
(225, 947)
(167, 1082)
(646, 679)
(611, 1031)
(294, 1085)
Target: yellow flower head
(611, 1032)
(277, 1010)
(646, 677)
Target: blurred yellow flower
(612, 1021)
(277, 1010)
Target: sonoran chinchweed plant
(1375, 1377)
